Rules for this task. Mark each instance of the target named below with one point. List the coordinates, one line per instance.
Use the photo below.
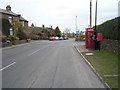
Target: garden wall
(111, 45)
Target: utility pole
(96, 43)
(76, 24)
(96, 15)
(90, 13)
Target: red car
(52, 38)
(65, 38)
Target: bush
(82, 36)
(17, 38)
(34, 37)
(11, 38)
(21, 35)
(4, 38)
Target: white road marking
(7, 66)
(110, 75)
(34, 52)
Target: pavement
(47, 64)
(80, 47)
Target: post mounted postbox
(89, 42)
(99, 37)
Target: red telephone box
(89, 42)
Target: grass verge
(106, 64)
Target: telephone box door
(89, 42)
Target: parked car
(65, 38)
(60, 38)
(52, 38)
(83, 39)
(56, 38)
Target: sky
(62, 13)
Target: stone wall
(111, 45)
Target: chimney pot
(8, 8)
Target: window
(11, 31)
(10, 19)
(23, 23)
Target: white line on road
(110, 75)
(7, 66)
(34, 52)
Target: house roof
(22, 19)
(7, 12)
(13, 14)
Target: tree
(17, 25)
(57, 31)
(67, 31)
(32, 25)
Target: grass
(105, 63)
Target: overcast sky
(62, 13)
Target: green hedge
(110, 29)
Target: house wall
(5, 16)
(25, 23)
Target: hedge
(110, 29)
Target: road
(46, 64)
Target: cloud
(62, 13)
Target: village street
(47, 64)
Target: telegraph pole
(96, 43)
(76, 24)
(96, 15)
(90, 13)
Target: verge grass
(106, 64)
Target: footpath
(80, 47)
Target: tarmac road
(46, 64)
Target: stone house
(51, 31)
(9, 16)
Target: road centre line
(34, 52)
(7, 66)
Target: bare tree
(67, 31)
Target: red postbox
(99, 37)
(89, 42)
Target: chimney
(8, 8)
(51, 26)
(43, 26)
(19, 15)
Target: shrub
(17, 38)
(21, 35)
(82, 36)
(11, 38)
(3, 38)
(34, 37)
